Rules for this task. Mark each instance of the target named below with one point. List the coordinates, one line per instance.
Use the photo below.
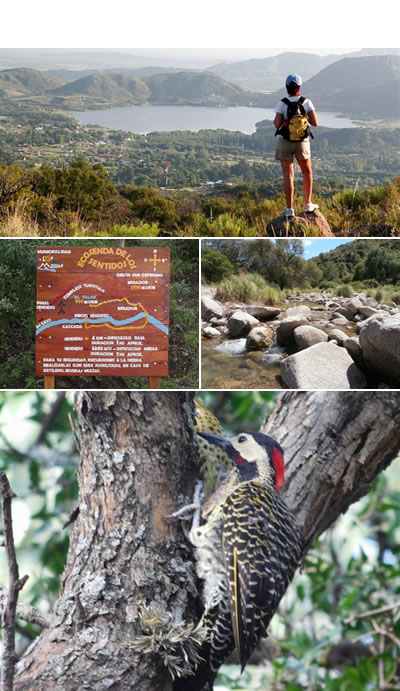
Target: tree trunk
(138, 464)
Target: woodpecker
(215, 463)
(247, 553)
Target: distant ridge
(22, 81)
(363, 86)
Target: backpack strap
(286, 101)
(301, 100)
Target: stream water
(256, 369)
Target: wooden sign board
(102, 311)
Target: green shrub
(141, 231)
(345, 291)
(379, 295)
(396, 298)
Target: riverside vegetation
(17, 317)
(341, 333)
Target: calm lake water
(144, 119)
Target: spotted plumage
(247, 554)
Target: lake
(144, 119)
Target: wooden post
(154, 382)
(49, 381)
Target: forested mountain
(362, 259)
(109, 87)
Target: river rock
(259, 338)
(306, 336)
(312, 224)
(353, 347)
(337, 335)
(367, 311)
(210, 332)
(240, 323)
(211, 308)
(339, 321)
(298, 311)
(353, 305)
(263, 312)
(219, 322)
(344, 312)
(322, 366)
(380, 345)
(233, 348)
(285, 328)
(361, 325)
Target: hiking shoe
(287, 213)
(310, 207)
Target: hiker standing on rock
(293, 115)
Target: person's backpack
(295, 128)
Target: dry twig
(9, 657)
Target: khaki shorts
(286, 150)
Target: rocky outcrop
(323, 366)
(380, 345)
(313, 224)
(240, 323)
(307, 336)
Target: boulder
(339, 321)
(306, 336)
(380, 345)
(219, 322)
(233, 348)
(285, 328)
(337, 335)
(211, 308)
(298, 311)
(353, 347)
(367, 311)
(259, 338)
(240, 323)
(262, 312)
(210, 332)
(361, 325)
(353, 305)
(342, 311)
(323, 366)
(303, 225)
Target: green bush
(379, 295)
(140, 231)
(345, 291)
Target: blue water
(102, 320)
(145, 119)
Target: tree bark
(138, 464)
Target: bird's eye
(242, 438)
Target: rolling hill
(361, 87)
(107, 88)
(22, 81)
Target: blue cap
(294, 78)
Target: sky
(209, 24)
(315, 246)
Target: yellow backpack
(295, 128)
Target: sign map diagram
(102, 311)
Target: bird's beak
(216, 439)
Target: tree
(130, 577)
(215, 265)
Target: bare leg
(307, 179)
(288, 182)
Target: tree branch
(25, 612)
(9, 657)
